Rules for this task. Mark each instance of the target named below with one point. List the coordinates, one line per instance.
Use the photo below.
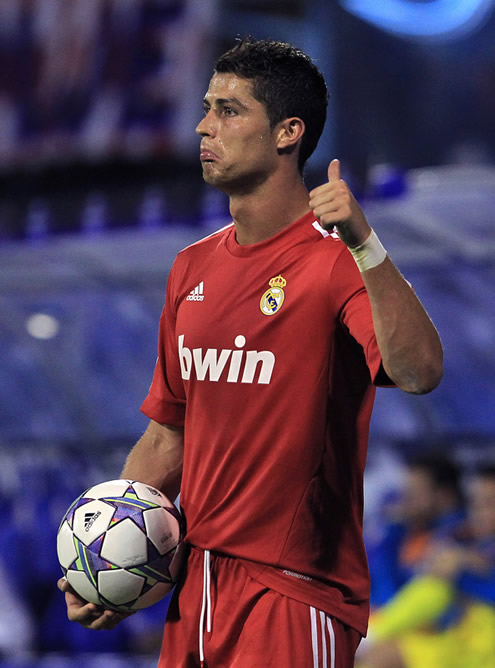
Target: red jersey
(268, 357)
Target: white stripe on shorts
(318, 631)
(314, 636)
(323, 639)
(332, 641)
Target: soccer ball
(120, 545)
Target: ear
(289, 134)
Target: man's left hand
(334, 205)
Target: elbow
(430, 368)
(417, 368)
(424, 380)
(436, 378)
(421, 376)
(426, 383)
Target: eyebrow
(224, 100)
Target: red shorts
(220, 617)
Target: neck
(266, 211)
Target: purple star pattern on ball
(81, 501)
(123, 512)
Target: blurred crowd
(86, 80)
(432, 563)
(433, 571)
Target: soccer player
(274, 333)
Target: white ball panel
(162, 528)
(66, 550)
(91, 520)
(125, 545)
(109, 488)
(79, 581)
(153, 595)
(148, 493)
(119, 586)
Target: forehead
(228, 86)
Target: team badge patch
(272, 300)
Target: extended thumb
(334, 170)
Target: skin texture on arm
(155, 460)
(407, 339)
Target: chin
(216, 179)
(210, 174)
(213, 180)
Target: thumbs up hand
(334, 205)
(334, 170)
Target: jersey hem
(308, 594)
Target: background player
(429, 507)
(444, 617)
(260, 418)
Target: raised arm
(407, 339)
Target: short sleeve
(166, 401)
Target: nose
(205, 127)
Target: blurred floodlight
(42, 326)
(437, 19)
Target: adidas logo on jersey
(196, 295)
(233, 365)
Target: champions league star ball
(120, 545)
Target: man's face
(238, 148)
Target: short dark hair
(286, 81)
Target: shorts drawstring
(206, 605)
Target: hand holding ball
(120, 545)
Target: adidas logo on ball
(90, 519)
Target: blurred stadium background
(100, 186)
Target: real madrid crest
(272, 300)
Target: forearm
(157, 458)
(407, 339)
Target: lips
(207, 155)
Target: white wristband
(369, 254)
